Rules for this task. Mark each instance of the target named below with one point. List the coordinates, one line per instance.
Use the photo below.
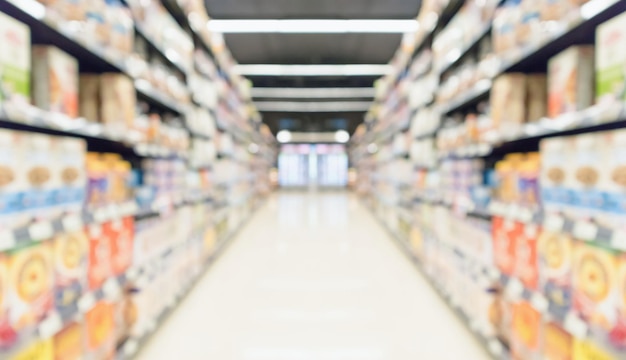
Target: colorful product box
(611, 60)
(555, 270)
(121, 234)
(505, 233)
(526, 334)
(9, 336)
(590, 156)
(526, 267)
(570, 79)
(89, 97)
(15, 64)
(12, 180)
(117, 102)
(613, 178)
(71, 177)
(30, 291)
(99, 332)
(37, 350)
(55, 85)
(558, 344)
(39, 168)
(557, 175)
(68, 343)
(100, 263)
(70, 262)
(508, 103)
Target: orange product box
(505, 233)
(100, 267)
(558, 344)
(121, 234)
(30, 287)
(526, 267)
(99, 332)
(526, 331)
(68, 343)
(70, 265)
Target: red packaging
(526, 266)
(100, 267)
(121, 234)
(505, 233)
(99, 332)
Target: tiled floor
(312, 277)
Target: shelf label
(539, 302)
(111, 289)
(618, 240)
(495, 348)
(531, 231)
(72, 223)
(40, 231)
(575, 325)
(131, 347)
(100, 215)
(554, 223)
(7, 240)
(86, 302)
(585, 230)
(514, 288)
(50, 326)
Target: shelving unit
(481, 249)
(172, 184)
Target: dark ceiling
(312, 48)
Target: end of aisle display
(514, 196)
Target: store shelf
(453, 57)
(167, 54)
(147, 92)
(478, 92)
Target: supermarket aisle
(312, 277)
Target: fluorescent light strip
(331, 106)
(313, 70)
(327, 26)
(316, 93)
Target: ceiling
(313, 48)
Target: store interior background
(313, 179)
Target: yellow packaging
(587, 350)
(39, 350)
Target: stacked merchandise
(114, 196)
(516, 187)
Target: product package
(70, 179)
(121, 234)
(526, 269)
(589, 172)
(70, 260)
(117, 102)
(555, 269)
(89, 97)
(557, 175)
(38, 166)
(505, 233)
(536, 97)
(558, 344)
(613, 178)
(570, 75)
(37, 349)
(526, 335)
(68, 343)
(611, 60)
(100, 267)
(12, 178)
(15, 64)
(55, 81)
(30, 291)
(508, 103)
(99, 332)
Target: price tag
(539, 302)
(495, 348)
(512, 211)
(100, 215)
(618, 240)
(95, 230)
(142, 149)
(72, 223)
(112, 289)
(40, 231)
(7, 240)
(575, 325)
(132, 273)
(86, 302)
(554, 223)
(114, 211)
(130, 347)
(514, 289)
(525, 215)
(50, 326)
(585, 230)
(530, 230)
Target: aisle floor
(312, 277)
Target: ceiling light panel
(313, 93)
(313, 70)
(331, 106)
(326, 26)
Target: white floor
(312, 277)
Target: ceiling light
(330, 106)
(319, 93)
(313, 70)
(283, 136)
(342, 136)
(326, 26)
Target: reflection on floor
(312, 277)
